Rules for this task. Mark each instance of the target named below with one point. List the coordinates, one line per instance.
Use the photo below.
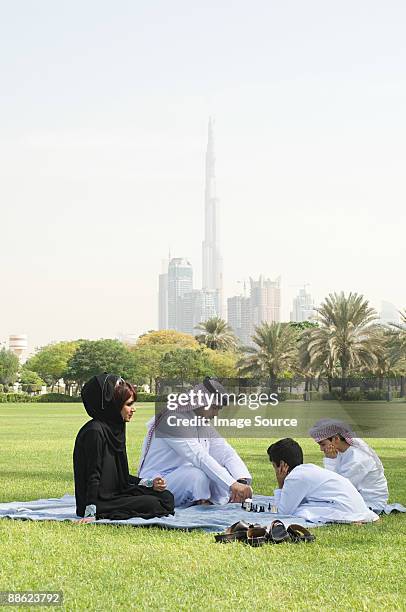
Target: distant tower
(212, 260)
(180, 281)
(265, 300)
(238, 317)
(197, 306)
(18, 344)
(389, 313)
(163, 296)
(303, 307)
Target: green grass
(102, 567)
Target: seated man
(353, 458)
(198, 465)
(311, 492)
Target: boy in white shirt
(314, 493)
(351, 457)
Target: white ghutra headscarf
(201, 392)
(327, 428)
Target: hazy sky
(103, 117)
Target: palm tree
(346, 337)
(398, 347)
(216, 334)
(390, 361)
(275, 351)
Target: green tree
(167, 337)
(151, 347)
(95, 356)
(223, 363)
(216, 334)
(147, 360)
(185, 364)
(30, 381)
(9, 365)
(50, 361)
(274, 354)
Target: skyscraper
(389, 313)
(197, 306)
(212, 261)
(303, 307)
(265, 300)
(238, 317)
(163, 296)
(180, 281)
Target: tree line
(344, 340)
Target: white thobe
(361, 469)
(194, 468)
(321, 496)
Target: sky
(103, 121)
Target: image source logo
(253, 408)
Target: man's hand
(159, 484)
(281, 472)
(239, 492)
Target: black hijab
(98, 399)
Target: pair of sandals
(256, 535)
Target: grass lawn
(105, 567)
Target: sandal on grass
(257, 535)
(235, 533)
(298, 534)
(277, 533)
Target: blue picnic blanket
(209, 518)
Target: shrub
(57, 398)
(14, 398)
(376, 394)
(146, 397)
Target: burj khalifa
(212, 260)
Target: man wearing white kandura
(198, 465)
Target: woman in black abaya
(104, 488)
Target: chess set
(248, 506)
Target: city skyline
(102, 154)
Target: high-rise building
(180, 281)
(265, 301)
(389, 313)
(163, 296)
(238, 317)
(303, 307)
(197, 306)
(212, 260)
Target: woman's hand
(159, 484)
(88, 519)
